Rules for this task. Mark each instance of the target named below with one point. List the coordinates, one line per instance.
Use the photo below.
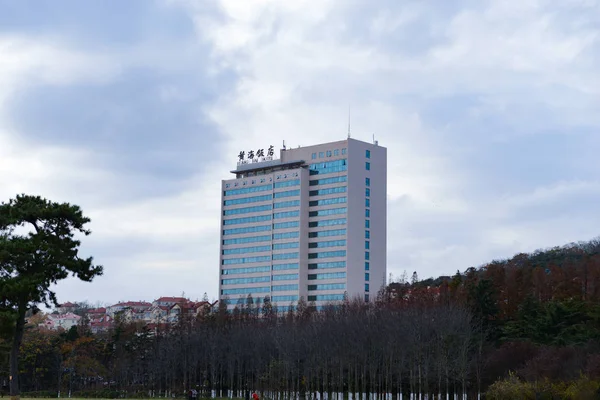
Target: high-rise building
(310, 224)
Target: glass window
(336, 152)
(326, 297)
(313, 156)
(327, 222)
(323, 192)
(321, 154)
(367, 192)
(285, 256)
(265, 289)
(241, 281)
(367, 234)
(250, 229)
(247, 220)
(366, 298)
(245, 260)
(368, 181)
(367, 244)
(285, 277)
(328, 202)
(283, 246)
(328, 167)
(367, 224)
(287, 193)
(286, 204)
(366, 255)
(328, 286)
(282, 267)
(244, 210)
(246, 200)
(327, 254)
(368, 213)
(327, 265)
(293, 182)
(284, 288)
(329, 243)
(243, 250)
(366, 287)
(286, 214)
(328, 153)
(252, 189)
(328, 181)
(252, 239)
(366, 276)
(286, 225)
(366, 266)
(333, 232)
(368, 154)
(286, 235)
(327, 275)
(367, 203)
(330, 211)
(250, 270)
(343, 151)
(368, 166)
(275, 299)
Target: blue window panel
(344, 151)
(283, 267)
(368, 153)
(368, 166)
(336, 152)
(367, 266)
(327, 254)
(321, 154)
(265, 289)
(366, 255)
(284, 288)
(324, 192)
(250, 270)
(251, 239)
(367, 192)
(250, 229)
(275, 299)
(333, 232)
(328, 202)
(286, 214)
(246, 200)
(367, 202)
(247, 220)
(366, 298)
(329, 243)
(328, 181)
(368, 213)
(286, 225)
(367, 224)
(253, 189)
(242, 281)
(243, 250)
(328, 265)
(366, 276)
(366, 287)
(286, 235)
(285, 256)
(327, 222)
(328, 286)
(326, 297)
(328, 167)
(285, 277)
(328, 153)
(293, 182)
(328, 275)
(283, 246)
(287, 193)
(331, 211)
(313, 156)
(245, 260)
(367, 245)
(244, 210)
(367, 234)
(285, 204)
(367, 181)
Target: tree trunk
(14, 353)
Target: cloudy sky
(135, 110)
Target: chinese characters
(256, 156)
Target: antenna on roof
(284, 144)
(348, 121)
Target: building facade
(310, 224)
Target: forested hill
(558, 286)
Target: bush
(582, 389)
(514, 389)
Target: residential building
(311, 224)
(61, 321)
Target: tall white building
(310, 224)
